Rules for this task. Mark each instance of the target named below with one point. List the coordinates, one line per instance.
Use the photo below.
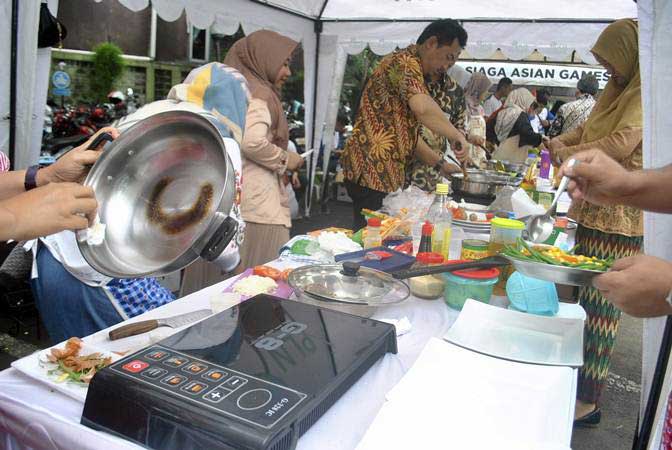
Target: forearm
(430, 115)
(264, 153)
(424, 153)
(12, 183)
(650, 190)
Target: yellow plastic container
(503, 232)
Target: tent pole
(318, 33)
(12, 83)
(427, 20)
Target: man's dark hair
(543, 96)
(446, 31)
(504, 82)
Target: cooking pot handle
(99, 140)
(221, 238)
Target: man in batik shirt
(394, 104)
(448, 94)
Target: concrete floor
(620, 400)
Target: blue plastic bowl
(532, 295)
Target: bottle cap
(373, 222)
(427, 228)
(441, 188)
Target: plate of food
(550, 263)
(67, 367)
(261, 280)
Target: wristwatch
(30, 181)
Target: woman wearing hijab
(511, 131)
(474, 93)
(615, 127)
(263, 59)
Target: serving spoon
(540, 227)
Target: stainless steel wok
(482, 183)
(165, 188)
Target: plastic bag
(412, 202)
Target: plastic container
(503, 232)
(531, 295)
(373, 237)
(441, 216)
(428, 287)
(465, 284)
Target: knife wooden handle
(133, 328)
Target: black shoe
(590, 420)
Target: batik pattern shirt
(571, 115)
(385, 134)
(450, 98)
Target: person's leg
(603, 318)
(67, 306)
(363, 198)
(262, 243)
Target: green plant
(108, 65)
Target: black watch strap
(30, 182)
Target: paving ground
(620, 400)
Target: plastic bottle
(373, 237)
(442, 218)
(545, 167)
(426, 239)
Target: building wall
(172, 40)
(90, 23)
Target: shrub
(108, 65)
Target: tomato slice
(267, 271)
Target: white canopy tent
(330, 30)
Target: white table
(32, 416)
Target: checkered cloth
(135, 296)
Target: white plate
(33, 367)
(473, 207)
(517, 336)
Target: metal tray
(557, 274)
(517, 336)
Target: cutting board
(283, 290)
(398, 260)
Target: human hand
(447, 169)
(459, 147)
(638, 285)
(294, 161)
(75, 164)
(597, 178)
(49, 209)
(296, 183)
(476, 140)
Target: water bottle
(441, 216)
(545, 167)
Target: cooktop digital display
(254, 376)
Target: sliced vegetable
(555, 256)
(267, 271)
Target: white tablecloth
(33, 416)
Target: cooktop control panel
(210, 385)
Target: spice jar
(428, 287)
(503, 232)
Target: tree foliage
(108, 65)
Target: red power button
(135, 366)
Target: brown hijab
(259, 58)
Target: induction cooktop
(256, 376)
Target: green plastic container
(464, 284)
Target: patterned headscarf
(477, 85)
(259, 58)
(518, 101)
(618, 107)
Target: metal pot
(482, 183)
(347, 287)
(506, 166)
(165, 189)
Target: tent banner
(535, 74)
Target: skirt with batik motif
(603, 317)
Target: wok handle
(99, 140)
(132, 329)
(485, 263)
(221, 238)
